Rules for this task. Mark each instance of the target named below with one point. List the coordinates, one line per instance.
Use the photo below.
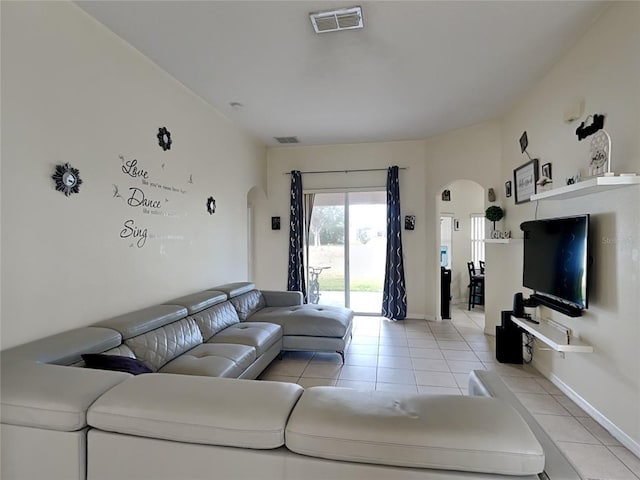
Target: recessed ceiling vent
(287, 139)
(334, 20)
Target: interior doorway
(347, 249)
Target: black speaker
(508, 345)
(518, 305)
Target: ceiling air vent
(334, 20)
(287, 139)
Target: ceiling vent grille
(334, 20)
(286, 140)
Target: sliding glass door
(347, 238)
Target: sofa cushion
(142, 321)
(216, 318)
(196, 302)
(159, 346)
(115, 363)
(308, 320)
(219, 411)
(248, 303)
(258, 335)
(213, 360)
(471, 434)
(236, 288)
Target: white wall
(467, 198)
(603, 68)
(74, 92)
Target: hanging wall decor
(211, 205)
(409, 222)
(67, 179)
(275, 223)
(164, 138)
(446, 195)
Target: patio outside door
(347, 240)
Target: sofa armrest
(281, 298)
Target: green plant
(494, 214)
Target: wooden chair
(481, 262)
(476, 286)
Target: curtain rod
(349, 171)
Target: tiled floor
(436, 357)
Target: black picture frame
(446, 195)
(507, 189)
(275, 223)
(525, 178)
(545, 171)
(409, 222)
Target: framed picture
(409, 222)
(275, 223)
(546, 170)
(446, 196)
(507, 189)
(524, 181)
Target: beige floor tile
(361, 360)
(362, 349)
(396, 387)
(467, 356)
(323, 358)
(548, 386)
(598, 431)
(629, 459)
(435, 379)
(394, 351)
(453, 345)
(322, 371)
(566, 429)
(394, 341)
(459, 366)
(430, 364)
(317, 382)
(362, 340)
(543, 404)
(596, 461)
(571, 407)
(422, 343)
(432, 353)
(396, 375)
(361, 374)
(523, 384)
(287, 368)
(279, 378)
(358, 385)
(394, 362)
(431, 390)
(486, 356)
(462, 379)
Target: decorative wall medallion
(164, 138)
(67, 179)
(211, 205)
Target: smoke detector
(287, 140)
(334, 20)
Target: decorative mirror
(211, 205)
(164, 138)
(67, 179)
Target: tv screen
(556, 261)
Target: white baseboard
(607, 424)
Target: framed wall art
(524, 181)
(507, 189)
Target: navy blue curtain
(394, 297)
(295, 276)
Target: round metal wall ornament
(164, 138)
(67, 179)
(211, 205)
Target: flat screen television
(557, 262)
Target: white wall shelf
(593, 185)
(501, 240)
(557, 337)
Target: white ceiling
(417, 69)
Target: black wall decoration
(164, 138)
(211, 205)
(275, 223)
(67, 179)
(409, 222)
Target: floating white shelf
(557, 337)
(593, 185)
(501, 240)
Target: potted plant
(494, 214)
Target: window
(477, 238)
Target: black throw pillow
(116, 363)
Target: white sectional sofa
(200, 415)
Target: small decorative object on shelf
(211, 205)
(494, 214)
(164, 138)
(409, 222)
(497, 235)
(600, 149)
(67, 179)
